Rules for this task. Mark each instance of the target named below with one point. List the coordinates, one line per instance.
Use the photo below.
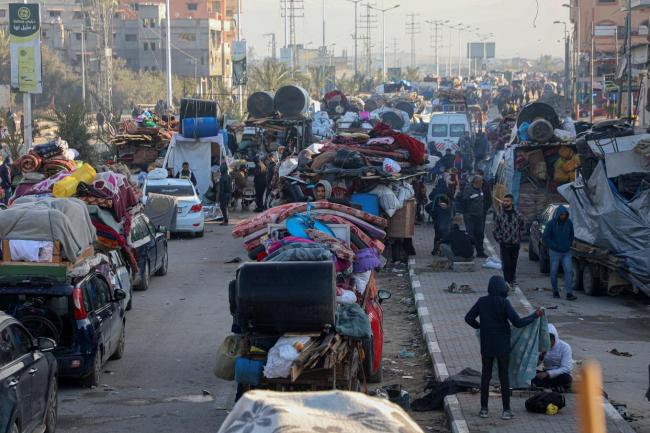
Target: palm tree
(318, 75)
(412, 74)
(270, 75)
(71, 126)
(347, 85)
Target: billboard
(480, 50)
(25, 47)
(239, 73)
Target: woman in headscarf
(496, 314)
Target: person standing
(259, 181)
(509, 228)
(474, 213)
(558, 237)
(225, 191)
(496, 313)
(5, 178)
(100, 122)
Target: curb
(457, 422)
(453, 410)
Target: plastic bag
(347, 297)
(387, 199)
(391, 166)
(361, 281)
(282, 355)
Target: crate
(402, 224)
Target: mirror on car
(384, 295)
(119, 294)
(46, 344)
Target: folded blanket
(29, 163)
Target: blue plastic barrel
(368, 202)
(199, 127)
(248, 371)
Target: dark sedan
(28, 373)
(536, 248)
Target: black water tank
(279, 297)
(292, 101)
(260, 104)
(406, 106)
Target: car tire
(95, 376)
(162, 271)
(544, 261)
(199, 234)
(52, 407)
(532, 256)
(591, 280)
(129, 305)
(144, 279)
(119, 350)
(368, 349)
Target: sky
(520, 30)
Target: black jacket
(461, 243)
(473, 201)
(495, 312)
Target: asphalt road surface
(165, 382)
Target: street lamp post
(356, 35)
(436, 24)
(567, 66)
(577, 48)
(629, 58)
(383, 35)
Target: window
(438, 130)
(153, 46)
(130, 38)
(192, 6)
(146, 46)
(187, 37)
(173, 190)
(6, 347)
(3, 13)
(22, 341)
(103, 291)
(139, 230)
(55, 14)
(77, 36)
(77, 15)
(216, 6)
(456, 130)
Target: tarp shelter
(198, 153)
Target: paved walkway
(453, 346)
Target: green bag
(232, 347)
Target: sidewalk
(453, 346)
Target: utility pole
(629, 58)
(368, 24)
(324, 46)
(435, 42)
(273, 45)
(356, 35)
(396, 62)
(293, 9)
(83, 64)
(383, 36)
(412, 29)
(168, 43)
(241, 87)
(103, 13)
(592, 62)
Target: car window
(152, 229)
(438, 130)
(88, 294)
(22, 341)
(6, 346)
(174, 190)
(139, 230)
(456, 129)
(103, 292)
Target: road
(165, 382)
(594, 326)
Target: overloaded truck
(610, 210)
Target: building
(202, 33)
(600, 32)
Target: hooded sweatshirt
(495, 313)
(558, 360)
(558, 235)
(328, 188)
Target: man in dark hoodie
(496, 313)
(441, 213)
(558, 238)
(473, 204)
(225, 192)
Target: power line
(412, 29)
(368, 24)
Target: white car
(189, 216)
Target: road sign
(25, 47)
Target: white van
(445, 129)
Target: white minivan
(445, 129)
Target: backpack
(540, 401)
